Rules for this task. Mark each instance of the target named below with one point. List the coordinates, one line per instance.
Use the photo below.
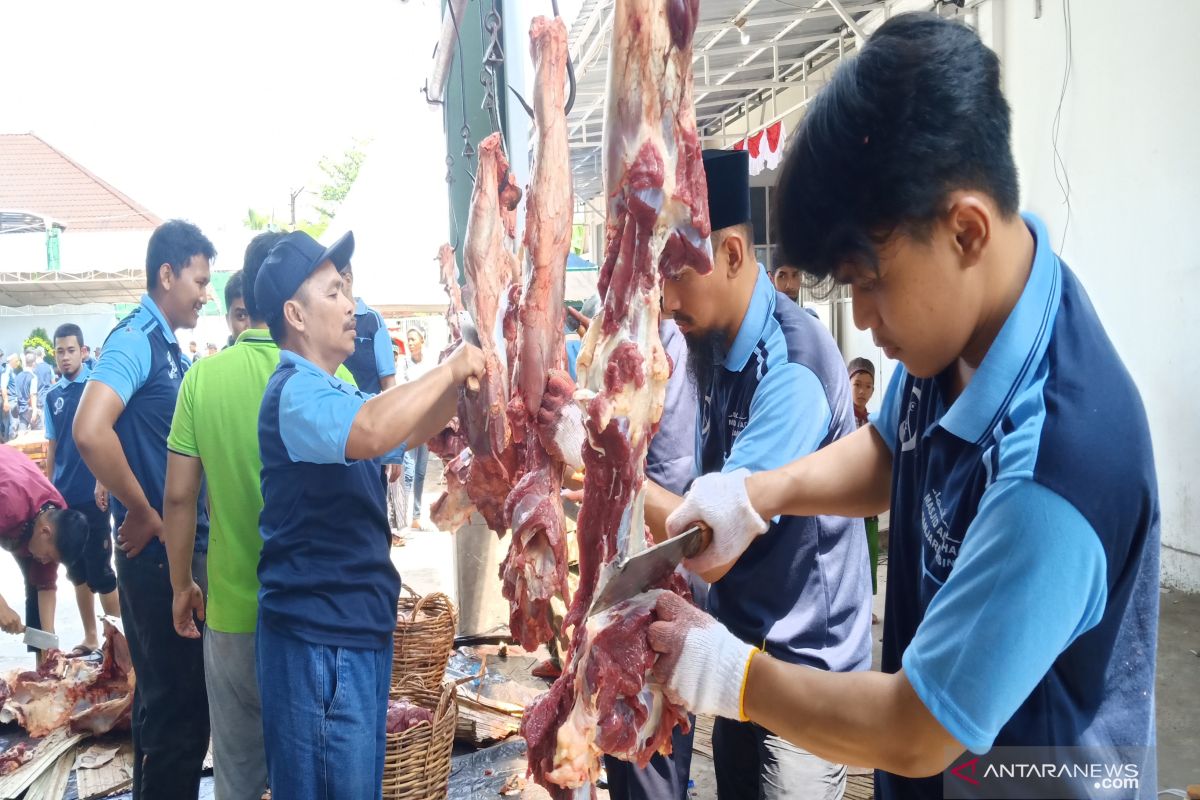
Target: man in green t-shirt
(214, 434)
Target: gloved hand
(701, 664)
(560, 421)
(720, 501)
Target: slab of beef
(402, 715)
(73, 693)
(535, 568)
(656, 223)
(488, 263)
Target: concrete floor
(426, 562)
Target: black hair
(233, 289)
(256, 254)
(175, 242)
(68, 329)
(916, 115)
(70, 533)
(278, 329)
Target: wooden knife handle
(698, 545)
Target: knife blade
(41, 639)
(640, 572)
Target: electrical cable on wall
(1060, 166)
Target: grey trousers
(239, 757)
(753, 763)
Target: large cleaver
(650, 567)
(40, 639)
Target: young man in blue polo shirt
(327, 606)
(65, 467)
(1013, 447)
(121, 430)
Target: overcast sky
(204, 109)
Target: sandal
(82, 651)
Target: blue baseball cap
(288, 265)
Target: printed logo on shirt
(173, 372)
(908, 423)
(58, 406)
(941, 549)
(736, 422)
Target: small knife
(640, 572)
(40, 639)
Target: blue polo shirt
(326, 570)
(802, 590)
(1022, 597)
(372, 358)
(142, 363)
(72, 477)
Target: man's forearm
(102, 452)
(659, 505)
(184, 475)
(866, 719)
(46, 607)
(409, 413)
(50, 451)
(850, 478)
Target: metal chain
(493, 58)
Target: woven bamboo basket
(425, 627)
(416, 762)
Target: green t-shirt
(216, 420)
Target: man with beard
(772, 386)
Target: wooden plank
(52, 783)
(108, 779)
(702, 741)
(860, 787)
(48, 751)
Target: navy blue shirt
(326, 570)
(45, 379)
(372, 358)
(72, 478)
(142, 363)
(1022, 597)
(802, 590)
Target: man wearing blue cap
(327, 606)
(802, 592)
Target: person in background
(45, 379)
(121, 429)
(577, 322)
(93, 574)
(785, 278)
(327, 607)
(416, 365)
(193, 351)
(88, 360)
(237, 317)
(862, 387)
(24, 387)
(6, 367)
(40, 532)
(210, 349)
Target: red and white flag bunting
(766, 147)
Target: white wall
(96, 320)
(1128, 139)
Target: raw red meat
(535, 568)
(657, 223)
(489, 264)
(15, 757)
(402, 715)
(73, 692)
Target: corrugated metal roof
(71, 288)
(745, 52)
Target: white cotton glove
(560, 421)
(570, 435)
(720, 501)
(701, 664)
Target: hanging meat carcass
(657, 220)
(535, 568)
(489, 264)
